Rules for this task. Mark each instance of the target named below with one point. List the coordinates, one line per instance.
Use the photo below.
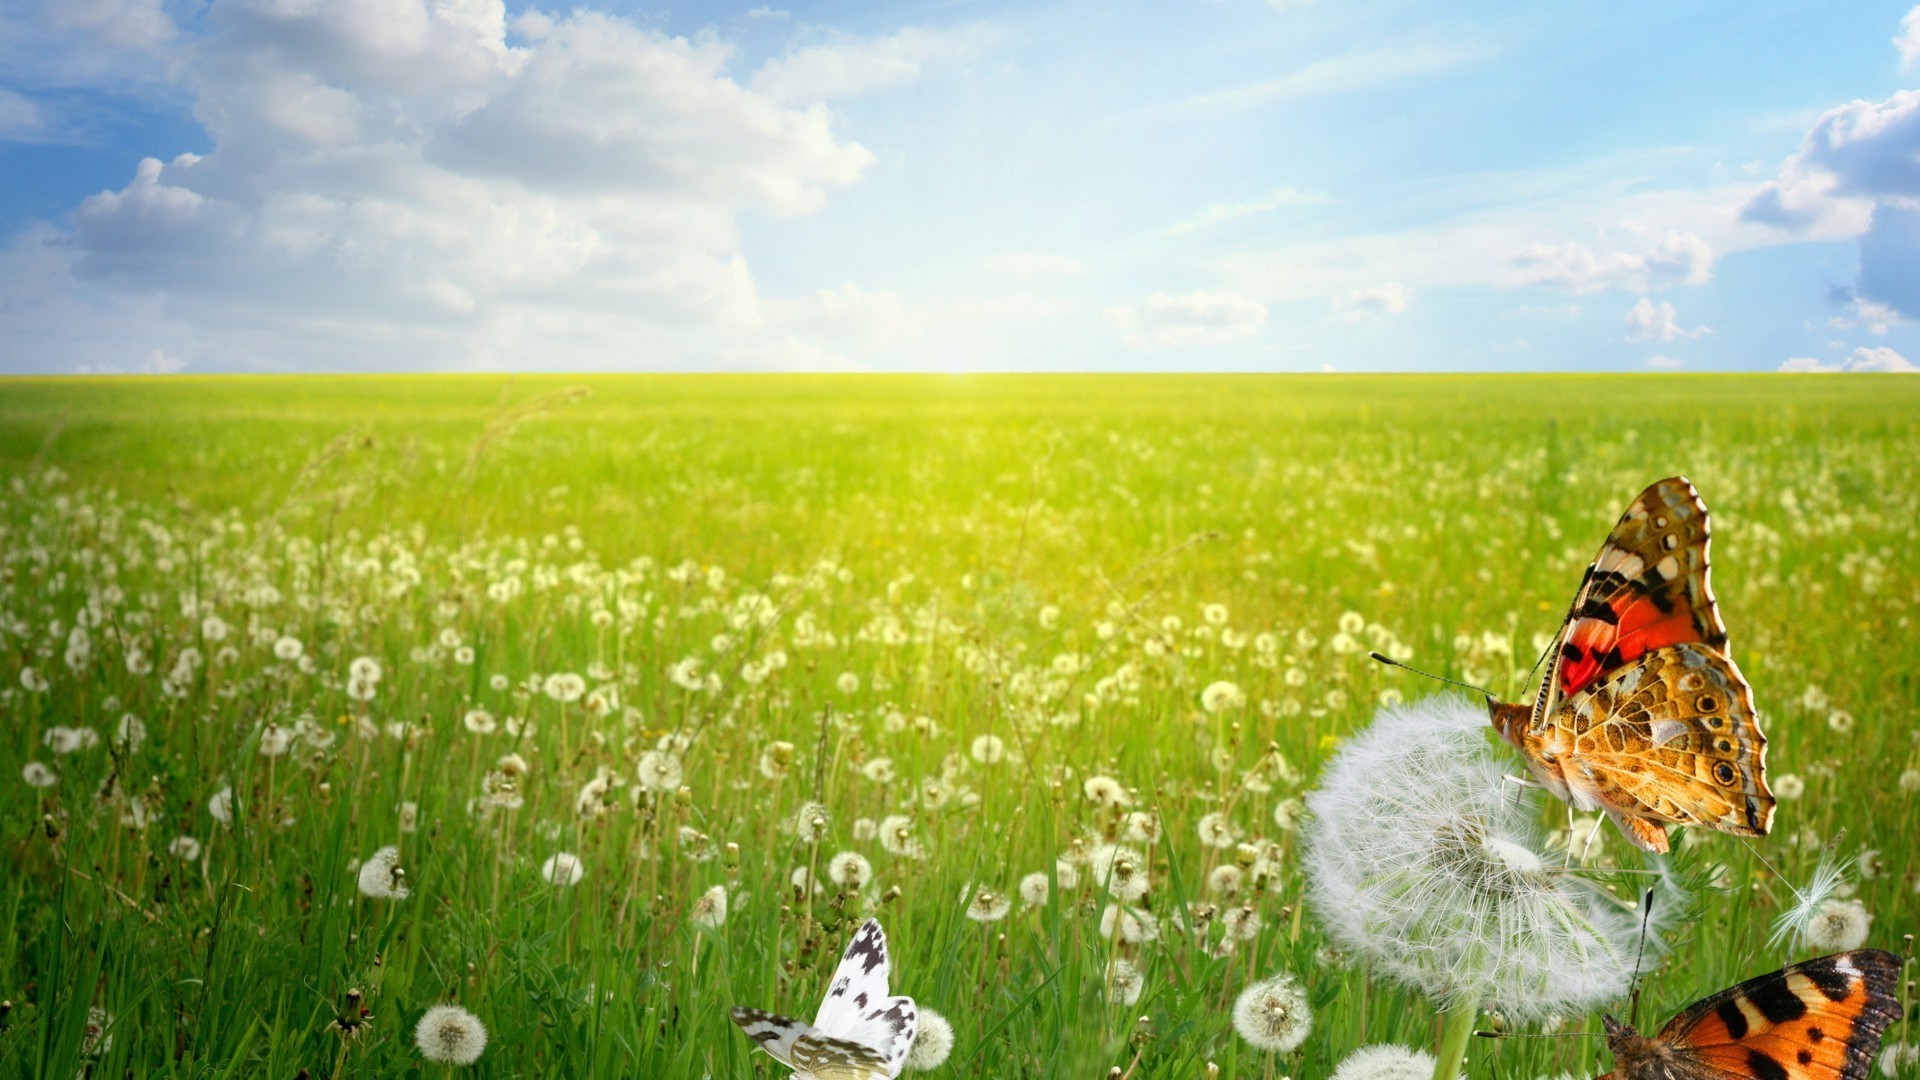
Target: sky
(1174, 185)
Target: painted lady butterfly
(1643, 714)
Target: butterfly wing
(858, 1009)
(774, 1033)
(823, 1057)
(1670, 738)
(1646, 589)
(1818, 1020)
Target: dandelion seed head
(563, 868)
(1222, 696)
(1839, 925)
(987, 905)
(478, 721)
(381, 876)
(989, 750)
(38, 774)
(1788, 787)
(850, 870)
(1797, 919)
(450, 1035)
(220, 806)
(1273, 1014)
(932, 1043)
(1106, 791)
(1386, 1061)
(1125, 982)
(1217, 830)
(810, 823)
(1121, 870)
(1418, 855)
(659, 771)
(1130, 925)
(709, 909)
(1034, 888)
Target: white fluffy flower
(932, 1043)
(381, 876)
(1273, 1014)
(1034, 887)
(659, 771)
(1386, 1062)
(710, 908)
(1419, 856)
(450, 1035)
(1222, 696)
(1840, 925)
(562, 868)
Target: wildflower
(850, 870)
(710, 909)
(1218, 831)
(1273, 1014)
(1221, 696)
(184, 848)
(932, 1043)
(989, 750)
(562, 869)
(1124, 981)
(381, 876)
(478, 721)
(988, 906)
(1839, 926)
(1386, 1061)
(450, 1035)
(38, 774)
(659, 771)
(810, 823)
(1418, 855)
(1033, 889)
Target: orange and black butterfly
(1643, 713)
(1820, 1020)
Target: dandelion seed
(1386, 1062)
(810, 823)
(362, 689)
(1225, 880)
(39, 775)
(1218, 831)
(1121, 870)
(364, 669)
(1066, 875)
(1419, 856)
(184, 848)
(1124, 981)
(450, 1035)
(478, 721)
(275, 740)
(1106, 791)
(1242, 923)
(381, 876)
(499, 682)
(897, 838)
(1840, 721)
(989, 750)
(850, 870)
(1273, 1014)
(986, 905)
(1222, 696)
(932, 1043)
(221, 806)
(1286, 814)
(562, 869)
(847, 683)
(879, 770)
(709, 909)
(1033, 889)
(1839, 926)
(1788, 786)
(659, 771)
(288, 648)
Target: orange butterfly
(1820, 1020)
(1643, 714)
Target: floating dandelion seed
(1797, 920)
(1386, 1062)
(450, 1035)
(710, 909)
(562, 869)
(381, 876)
(1419, 856)
(1839, 925)
(932, 1043)
(1273, 1014)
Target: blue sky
(1295, 185)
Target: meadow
(659, 685)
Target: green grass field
(828, 590)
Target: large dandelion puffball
(1386, 1061)
(450, 1035)
(1420, 855)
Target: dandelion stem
(1454, 1033)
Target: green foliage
(1027, 558)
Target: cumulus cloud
(1908, 40)
(128, 24)
(1675, 259)
(1879, 359)
(1389, 298)
(1197, 318)
(407, 181)
(1859, 166)
(1647, 321)
(848, 67)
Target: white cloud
(1197, 318)
(876, 316)
(1879, 359)
(1389, 298)
(127, 24)
(848, 66)
(1647, 321)
(1357, 70)
(1675, 259)
(393, 183)
(1908, 41)
(1215, 213)
(1034, 264)
(1663, 363)
(21, 118)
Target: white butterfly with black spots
(861, 1033)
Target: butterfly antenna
(1390, 662)
(1646, 914)
(1540, 1035)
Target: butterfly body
(860, 1033)
(1643, 713)
(1818, 1020)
